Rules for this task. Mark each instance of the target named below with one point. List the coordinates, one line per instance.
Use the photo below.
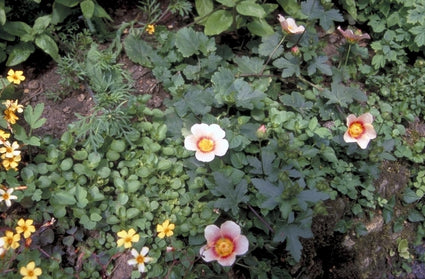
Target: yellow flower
(11, 240)
(13, 106)
(15, 77)
(11, 163)
(26, 227)
(166, 229)
(10, 150)
(7, 196)
(150, 29)
(30, 271)
(10, 116)
(3, 135)
(126, 238)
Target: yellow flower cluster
(11, 240)
(127, 238)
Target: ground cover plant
(267, 127)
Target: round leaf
(218, 22)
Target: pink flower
(352, 37)
(207, 140)
(295, 51)
(261, 132)
(224, 243)
(360, 129)
(289, 25)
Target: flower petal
(144, 251)
(141, 267)
(221, 147)
(217, 132)
(212, 233)
(134, 252)
(348, 138)
(366, 118)
(241, 245)
(369, 131)
(132, 262)
(204, 157)
(228, 261)
(230, 229)
(363, 142)
(199, 129)
(190, 143)
(208, 254)
(350, 119)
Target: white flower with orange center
(10, 150)
(207, 140)
(289, 26)
(224, 243)
(360, 129)
(7, 196)
(140, 258)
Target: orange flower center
(5, 196)
(140, 259)
(30, 273)
(206, 145)
(224, 247)
(356, 129)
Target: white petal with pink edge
(228, 261)
(230, 229)
(212, 233)
(241, 245)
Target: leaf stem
(272, 53)
(261, 218)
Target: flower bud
(295, 51)
(261, 132)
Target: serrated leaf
(289, 66)
(218, 22)
(319, 63)
(271, 192)
(268, 44)
(419, 31)
(188, 41)
(343, 95)
(138, 50)
(246, 97)
(296, 101)
(250, 8)
(291, 233)
(249, 65)
(416, 15)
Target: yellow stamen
(140, 259)
(206, 145)
(356, 129)
(224, 247)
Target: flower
(261, 132)
(150, 29)
(30, 271)
(224, 243)
(13, 106)
(352, 37)
(10, 150)
(289, 26)
(7, 196)
(26, 227)
(3, 135)
(11, 240)
(15, 77)
(140, 258)
(166, 229)
(207, 140)
(360, 129)
(10, 116)
(126, 238)
(295, 51)
(10, 163)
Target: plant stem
(348, 53)
(271, 54)
(310, 83)
(261, 218)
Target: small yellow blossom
(10, 150)
(11, 240)
(10, 116)
(150, 29)
(13, 106)
(166, 229)
(11, 163)
(3, 136)
(7, 196)
(126, 238)
(30, 271)
(26, 227)
(15, 76)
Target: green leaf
(63, 198)
(343, 95)
(2, 13)
(20, 53)
(48, 45)
(260, 28)
(290, 66)
(60, 13)
(33, 116)
(416, 15)
(292, 7)
(218, 22)
(271, 192)
(296, 101)
(319, 63)
(87, 7)
(249, 65)
(291, 233)
(419, 31)
(409, 196)
(68, 3)
(138, 50)
(228, 3)
(415, 216)
(100, 12)
(41, 23)
(246, 97)
(314, 10)
(268, 44)
(250, 8)
(188, 41)
(17, 28)
(204, 7)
